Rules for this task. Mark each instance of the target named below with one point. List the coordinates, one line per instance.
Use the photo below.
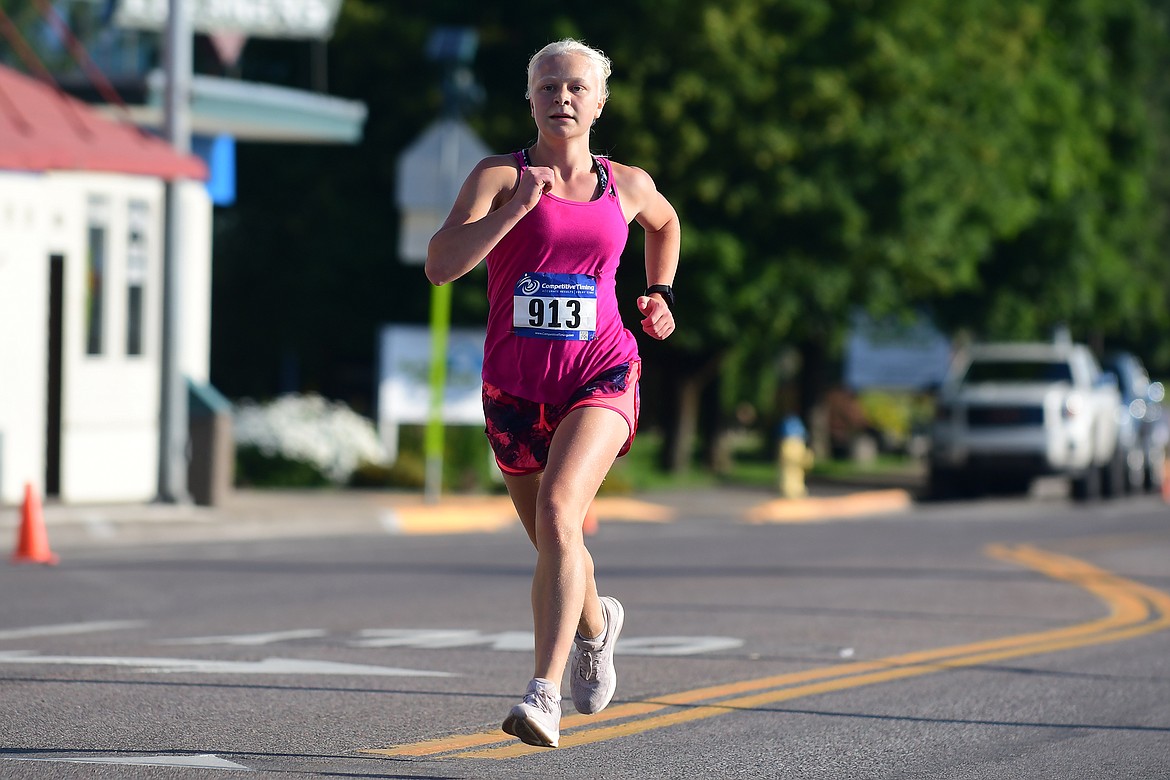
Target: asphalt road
(1006, 638)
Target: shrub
(254, 468)
(282, 443)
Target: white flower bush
(327, 435)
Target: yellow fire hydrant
(795, 458)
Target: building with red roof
(43, 129)
(82, 206)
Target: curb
(256, 514)
(813, 510)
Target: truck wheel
(1114, 476)
(941, 484)
(1086, 486)
(1135, 471)
(1153, 476)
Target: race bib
(562, 307)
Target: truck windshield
(1021, 371)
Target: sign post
(430, 172)
(433, 443)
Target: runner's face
(566, 95)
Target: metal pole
(433, 444)
(440, 328)
(173, 434)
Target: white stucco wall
(195, 349)
(110, 401)
(25, 226)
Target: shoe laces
(588, 664)
(542, 698)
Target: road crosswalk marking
(206, 666)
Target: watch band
(665, 290)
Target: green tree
(1089, 255)
(990, 159)
(824, 156)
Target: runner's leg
(564, 592)
(523, 491)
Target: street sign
(307, 19)
(430, 172)
(895, 355)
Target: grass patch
(638, 470)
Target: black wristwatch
(665, 291)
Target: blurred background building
(82, 212)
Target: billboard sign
(404, 367)
(893, 354)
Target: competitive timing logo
(528, 286)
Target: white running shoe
(592, 677)
(537, 719)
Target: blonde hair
(572, 46)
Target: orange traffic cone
(32, 546)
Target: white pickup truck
(1010, 412)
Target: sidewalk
(251, 513)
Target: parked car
(1010, 412)
(1143, 429)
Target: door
(55, 351)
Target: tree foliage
(989, 160)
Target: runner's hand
(658, 322)
(534, 183)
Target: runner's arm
(663, 242)
(488, 205)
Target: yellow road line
(1135, 609)
(618, 712)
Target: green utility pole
(433, 445)
(431, 173)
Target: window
(136, 262)
(95, 277)
(1019, 371)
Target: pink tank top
(553, 320)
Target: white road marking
(199, 666)
(205, 761)
(251, 640)
(100, 527)
(434, 639)
(61, 629)
(676, 645)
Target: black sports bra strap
(602, 172)
(602, 175)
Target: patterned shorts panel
(520, 431)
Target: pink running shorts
(520, 431)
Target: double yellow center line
(1135, 609)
